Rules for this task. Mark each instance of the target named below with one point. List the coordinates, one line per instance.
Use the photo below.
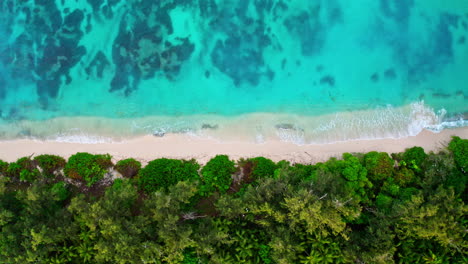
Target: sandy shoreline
(183, 146)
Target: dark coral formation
(235, 36)
(48, 47)
(240, 55)
(143, 48)
(45, 42)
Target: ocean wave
(378, 123)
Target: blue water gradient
(140, 66)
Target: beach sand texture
(182, 146)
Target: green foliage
(217, 175)
(356, 176)
(190, 257)
(162, 173)
(391, 188)
(28, 175)
(414, 158)
(23, 165)
(104, 160)
(3, 167)
(379, 166)
(383, 202)
(129, 168)
(88, 167)
(24, 169)
(264, 254)
(459, 148)
(404, 177)
(263, 168)
(50, 164)
(60, 191)
(14, 169)
(359, 209)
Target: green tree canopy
(163, 173)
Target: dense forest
(405, 207)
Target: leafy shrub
(60, 191)
(263, 168)
(3, 167)
(404, 177)
(13, 170)
(383, 202)
(128, 167)
(264, 254)
(356, 176)
(29, 175)
(162, 173)
(190, 256)
(24, 169)
(414, 157)
(391, 188)
(104, 160)
(50, 164)
(459, 148)
(379, 166)
(87, 167)
(217, 174)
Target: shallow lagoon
(306, 71)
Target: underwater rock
(441, 95)
(207, 7)
(328, 79)
(288, 126)
(246, 39)
(307, 28)
(159, 133)
(147, 48)
(398, 10)
(461, 40)
(374, 77)
(390, 74)
(97, 66)
(208, 126)
(3, 85)
(433, 59)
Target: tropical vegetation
(371, 207)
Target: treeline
(408, 207)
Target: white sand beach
(182, 146)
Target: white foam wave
(81, 139)
(383, 122)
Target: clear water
(307, 71)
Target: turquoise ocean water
(304, 71)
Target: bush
(162, 173)
(414, 158)
(404, 177)
(263, 168)
(383, 202)
(379, 166)
(29, 175)
(50, 164)
(459, 148)
(104, 160)
(85, 166)
(3, 167)
(129, 168)
(60, 191)
(217, 175)
(24, 169)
